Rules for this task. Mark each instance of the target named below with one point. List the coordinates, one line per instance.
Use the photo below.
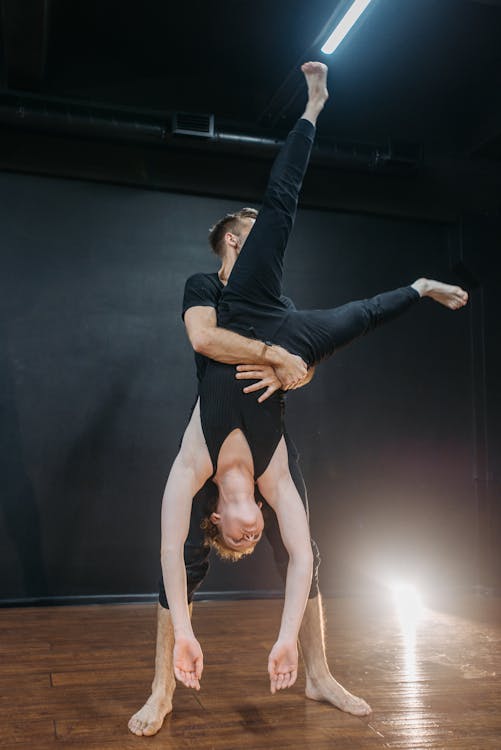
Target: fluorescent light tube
(349, 19)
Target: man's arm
(229, 347)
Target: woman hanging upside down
(239, 442)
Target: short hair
(228, 223)
(214, 539)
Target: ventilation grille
(185, 123)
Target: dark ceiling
(422, 71)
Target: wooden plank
(26, 734)
(100, 676)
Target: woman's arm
(189, 472)
(278, 489)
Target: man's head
(231, 231)
(234, 529)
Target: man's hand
(290, 369)
(282, 665)
(265, 376)
(188, 661)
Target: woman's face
(241, 528)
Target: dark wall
(97, 379)
(388, 439)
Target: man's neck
(227, 264)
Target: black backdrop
(97, 379)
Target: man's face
(244, 230)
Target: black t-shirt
(204, 290)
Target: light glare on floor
(407, 602)
(343, 27)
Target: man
(274, 368)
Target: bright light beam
(348, 20)
(408, 605)
(409, 612)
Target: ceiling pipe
(51, 119)
(93, 122)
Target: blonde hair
(214, 539)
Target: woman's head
(234, 531)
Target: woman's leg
(257, 274)
(355, 319)
(316, 334)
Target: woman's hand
(282, 665)
(188, 661)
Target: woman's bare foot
(329, 690)
(315, 74)
(149, 719)
(452, 297)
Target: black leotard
(224, 407)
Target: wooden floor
(70, 677)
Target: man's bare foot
(149, 719)
(315, 74)
(452, 297)
(330, 691)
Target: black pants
(251, 303)
(196, 554)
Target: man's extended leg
(320, 684)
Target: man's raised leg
(320, 684)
